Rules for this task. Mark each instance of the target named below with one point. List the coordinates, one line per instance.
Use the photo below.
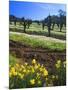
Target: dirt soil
(26, 53)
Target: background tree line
(49, 21)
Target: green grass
(36, 42)
(37, 30)
(12, 59)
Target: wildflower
(33, 61)
(17, 65)
(38, 65)
(39, 82)
(22, 66)
(33, 70)
(26, 64)
(38, 75)
(21, 75)
(20, 69)
(64, 64)
(41, 69)
(32, 81)
(24, 70)
(14, 73)
(53, 76)
(57, 66)
(46, 78)
(28, 71)
(12, 69)
(45, 73)
(59, 61)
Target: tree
(12, 18)
(24, 23)
(29, 22)
(15, 21)
(61, 12)
(43, 24)
(54, 20)
(49, 24)
(62, 15)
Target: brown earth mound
(26, 53)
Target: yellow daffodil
(40, 69)
(28, 71)
(24, 70)
(21, 75)
(39, 82)
(26, 64)
(38, 74)
(53, 76)
(33, 61)
(22, 67)
(57, 66)
(17, 65)
(14, 73)
(32, 70)
(38, 64)
(46, 79)
(32, 81)
(12, 69)
(45, 73)
(59, 61)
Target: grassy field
(37, 30)
(38, 42)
